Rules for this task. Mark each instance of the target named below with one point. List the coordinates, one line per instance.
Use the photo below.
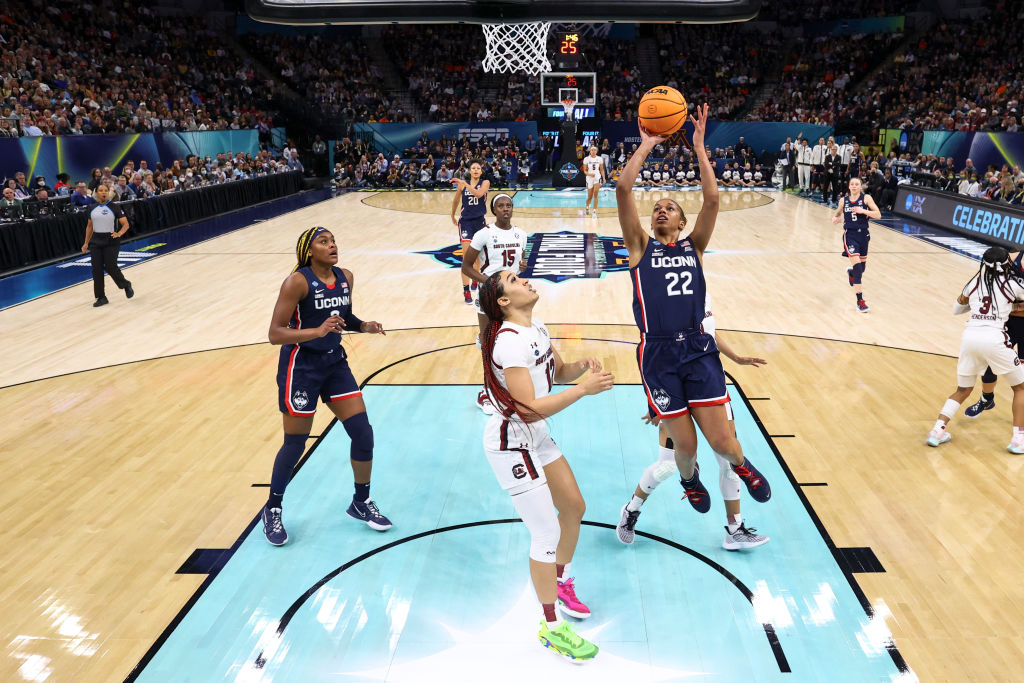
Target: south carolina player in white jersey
(679, 364)
(520, 368)
(499, 246)
(737, 535)
(989, 296)
(593, 167)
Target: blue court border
(897, 658)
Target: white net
(517, 47)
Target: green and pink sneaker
(564, 641)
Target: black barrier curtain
(26, 243)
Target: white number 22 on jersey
(675, 279)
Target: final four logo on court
(558, 256)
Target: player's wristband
(353, 323)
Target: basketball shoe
(484, 403)
(366, 511)
(695, 491)
(627, 525)
(467, 298)
(273, 527)
(862, 306)
(568, 602)
(982, 405)
(564, 641)
(743, 538)
(937, 437)
(757, 485)
(1016, 444)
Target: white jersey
(991, 311)
(499, 249)
(525, 347)
(592, 166)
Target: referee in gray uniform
(103, 244)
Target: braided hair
(995, 274)
(507, 405)
(303, 248)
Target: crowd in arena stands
(790, 13)
(333, 74)
(818, 76)
(1002, 184)
(69, 68)
(959, 76)
(432, 163)
(717, 64)
(38, 198)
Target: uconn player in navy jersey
(679, 364)
(520, 368)
(853, 212)
(314, 305)
(473, 198)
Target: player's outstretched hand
(646, 135)
(373, 327)
(651, 419)
(749, 360)
(597, 381)
(332, 324)
(592, 364)
(699, 125)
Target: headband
(499, 196)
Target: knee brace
(858, 272)
(537, 511)
(656, 473)
(359, 430)
(728, 481)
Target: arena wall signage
(398, 137)
(982, 148)
(994, 222)
(759, 135)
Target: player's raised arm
(705, 224)
(632, 232)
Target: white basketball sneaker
(1016, 444)
(937, 437)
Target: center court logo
(558, 256)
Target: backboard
(556, 87)
(487, 11)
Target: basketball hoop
(517, 47)
(568, 105)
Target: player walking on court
(989, 296)
(679, 363)
(520, 368)
(499, 246)
(853, 212)
(593, 166)
(1015, 332)
(314, 305)
(473, 196)
(737, 535)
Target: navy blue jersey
(668, 288)
(320, 303)
(851, 220)
(473, 207)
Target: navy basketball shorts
(470, 227)
(856, 242)
(302, 375)
(679, 375)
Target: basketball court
(140, 439)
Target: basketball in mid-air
(662, 110)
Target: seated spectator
(9, 198)
(63, 187)
(81, 197)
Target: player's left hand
(747, 360)
(458, 183)
(373, 327)
(592, 364)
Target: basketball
(662, 110)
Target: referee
(103, 244)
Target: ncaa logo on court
(569, 171)
(558, 256)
